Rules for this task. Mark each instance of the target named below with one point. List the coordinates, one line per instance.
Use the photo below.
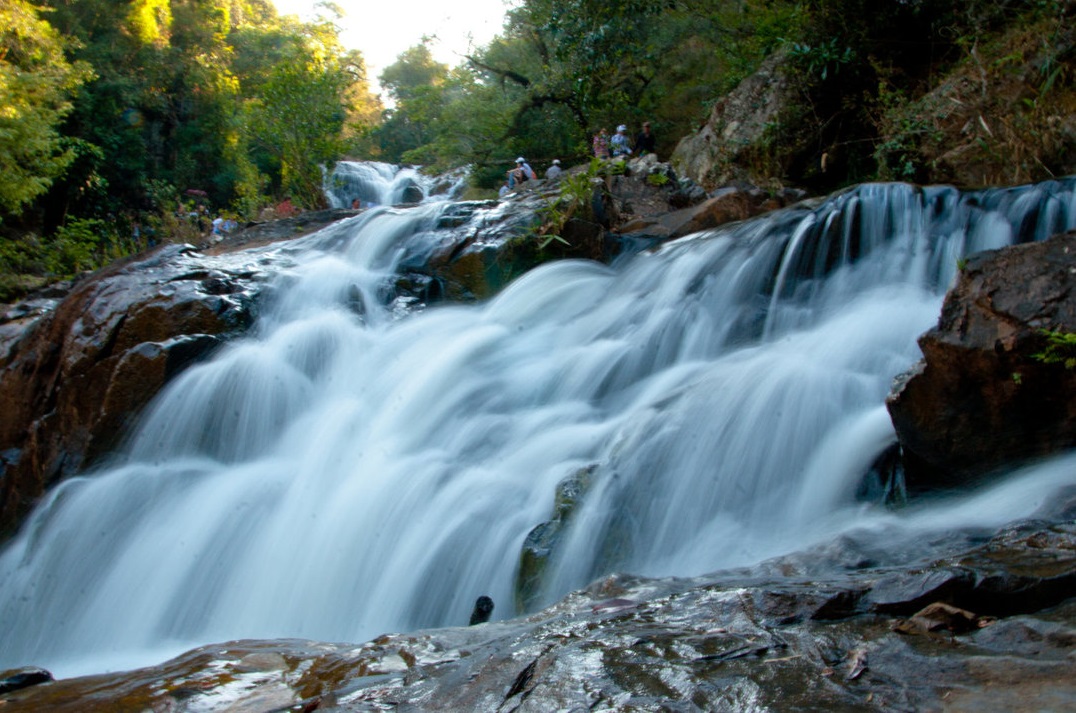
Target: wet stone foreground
(987, 628)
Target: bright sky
(382, 29)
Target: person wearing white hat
(554, 171)
(527, 170)
(620, 144)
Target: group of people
(523, 172)
(620, 144)
(605, 146)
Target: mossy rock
(541, 542)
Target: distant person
(504, 190)
(520, 174)
(355, 204)
(601, 144)
(515, 177)
(554, 171)
(620, 144)
(286, 209)
(644, 141)
(527, 170)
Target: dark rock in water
(905, 592)
(483, 609)
(541, 541)
(412, 194)
(983, 397)
(23, 678)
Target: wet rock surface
(981, 398)
(780, 636)
(79, 366)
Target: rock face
(76, 375)
(980, 398)
(728, 145)
(984, 628)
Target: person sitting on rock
(620, 144)
(644, 141)
(554, 171)
(526, 167)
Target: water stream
(344, 473)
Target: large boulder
(731, 144)
(79, 362)
(73, 377)
(992, 388)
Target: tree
(36, 84)
(300, 116)
(417, 84)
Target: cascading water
(375, 184)
(336, 476)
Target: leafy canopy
(36, 84)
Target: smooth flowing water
(338, 475)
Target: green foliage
(77, 246)
(111, 111)
(824, 59)
(563, 68)
(418, 85)
(36, 82)
(117, 108)
(299, 120)
(575, 193)
(1060, 348)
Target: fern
(1060, 348)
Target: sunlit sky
(382, 29)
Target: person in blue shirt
(620, 144)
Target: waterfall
(346, 472)
(374, 183)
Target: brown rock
(980, 399)
(76, 377)
(939, 616)
(726, 206)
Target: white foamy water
(338, 475)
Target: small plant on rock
(1060, 348)
(575, 192)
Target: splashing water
(335, 477)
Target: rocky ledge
(987, 627)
